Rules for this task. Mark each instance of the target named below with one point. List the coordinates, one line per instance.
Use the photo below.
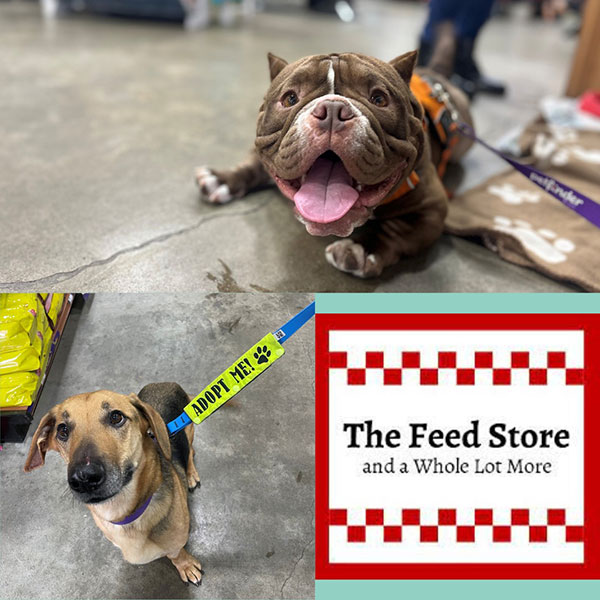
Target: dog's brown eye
(116, 418)
(289, 99)
(378, 98)
(62, 432)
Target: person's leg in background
(440, 12)
(472, 16)
(465, 17)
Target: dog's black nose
(332, 114)
(87, 477)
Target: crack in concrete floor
(306, 547)
(61, 276)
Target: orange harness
(437, 116)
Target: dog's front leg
(188, 567)
(193, 479)
(403, 231)
(389, 241)
(220, 187)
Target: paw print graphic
(544, 243)
(509, 194)
(262, 355)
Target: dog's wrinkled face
(338, 133)
(100, 436)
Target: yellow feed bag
(18, 389)
(25, 359)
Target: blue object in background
(468, 17)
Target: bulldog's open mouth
(327, 191)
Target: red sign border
(588, 323)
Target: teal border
(458, 303)
(457, 590)
(575, 303)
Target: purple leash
(134, 515)
(582, 205)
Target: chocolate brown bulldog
(344, 138)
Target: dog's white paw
(350, 257)
(544, 243)
(211, 188)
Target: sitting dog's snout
(332, 114)
(87, 477)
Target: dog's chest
(136, 546)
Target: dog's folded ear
(405, 64)
(157, 424)
(40, 443)
(276, 65)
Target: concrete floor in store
(104, 121)
(252, 519)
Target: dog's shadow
(158, 579)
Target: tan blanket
(527, 226)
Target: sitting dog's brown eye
(378, 98)
(289, 99)
(62, 432)
(116, 418)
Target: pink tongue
(327, 193)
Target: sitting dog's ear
(405, 64)
(40, 443)
(157, 425)
(276, 65)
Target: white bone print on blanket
(511, 195)
(550, 148)
(544, 243)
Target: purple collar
(135, 515)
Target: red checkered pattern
(465, 533)
(482, 361)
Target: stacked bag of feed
(27, 323)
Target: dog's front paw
(188, 567)
(212, 188)
(350, 257)
(193, 479)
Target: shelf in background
(14, 420)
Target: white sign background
(447, 406)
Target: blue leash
(281, 335)
(295, 323)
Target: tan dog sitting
(345, 138)
(123, 466)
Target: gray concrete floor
(104, 120)
(252, 519)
